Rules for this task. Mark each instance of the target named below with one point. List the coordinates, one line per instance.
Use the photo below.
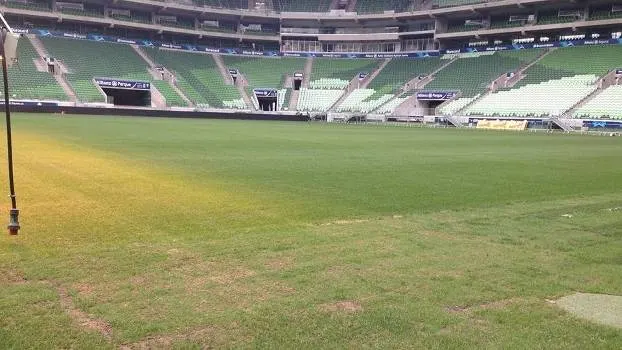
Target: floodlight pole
(14, 212)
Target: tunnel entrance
(125, 92)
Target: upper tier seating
(86, 60)
(30, 5)
(380, 6)
(317, 100)
(450, 3)
(26, 82)
(472, 74)
(555, 18)
(550, 98)
(99, 13)
(341, 71)
(606, 14)
(197, 75)
(607, 104)
(230, 4)
(303, 6)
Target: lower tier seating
(551, 98)
(26, 82)
(172, 97)
(607, 104)
(317, 100)
(360, 101)
(451, 107)
(389, 107)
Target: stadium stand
(379, 6)
(550, 98)
(554, 84)
(604, 14)
(471, 74)
(230, 4)
(26, 82)
(389, 81)
(172, 97)
(400, 71)
(197, 75)
(453, 106)
(29, 5)
(303, 6)
(360, 100)
(567, 62)
(329, 73)
(132, 17)
(390, 106)
(83, 12)
(317, 100)
(86, 60)
(607, 104)
(553, 18)
(266, 73)
(450, 3)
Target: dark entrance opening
(123, 97)
(298, 76)
(125, 92)
(297, 84)
(267, 99)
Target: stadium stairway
(164, 87)
(226, 76)
(504, 82)
(368, 79)
(241, 81)
(60, 78)
(603, 83)
(307, 72)
(241, 84)
(417, 84)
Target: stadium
(312, 174)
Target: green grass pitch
(163, 233)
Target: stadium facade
(464, 60)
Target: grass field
(160, 233)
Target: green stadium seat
(86, 60)
(198, 77)
(26, 82)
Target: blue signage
(266, 92)
(435, 95)
(33, 103)
(122, 84)
(237, 51)
(602, 124)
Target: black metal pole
(14, 213)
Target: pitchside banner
(602, 125)
(435, 95)
(234, 51)
(122, 84)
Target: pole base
(13, 222)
